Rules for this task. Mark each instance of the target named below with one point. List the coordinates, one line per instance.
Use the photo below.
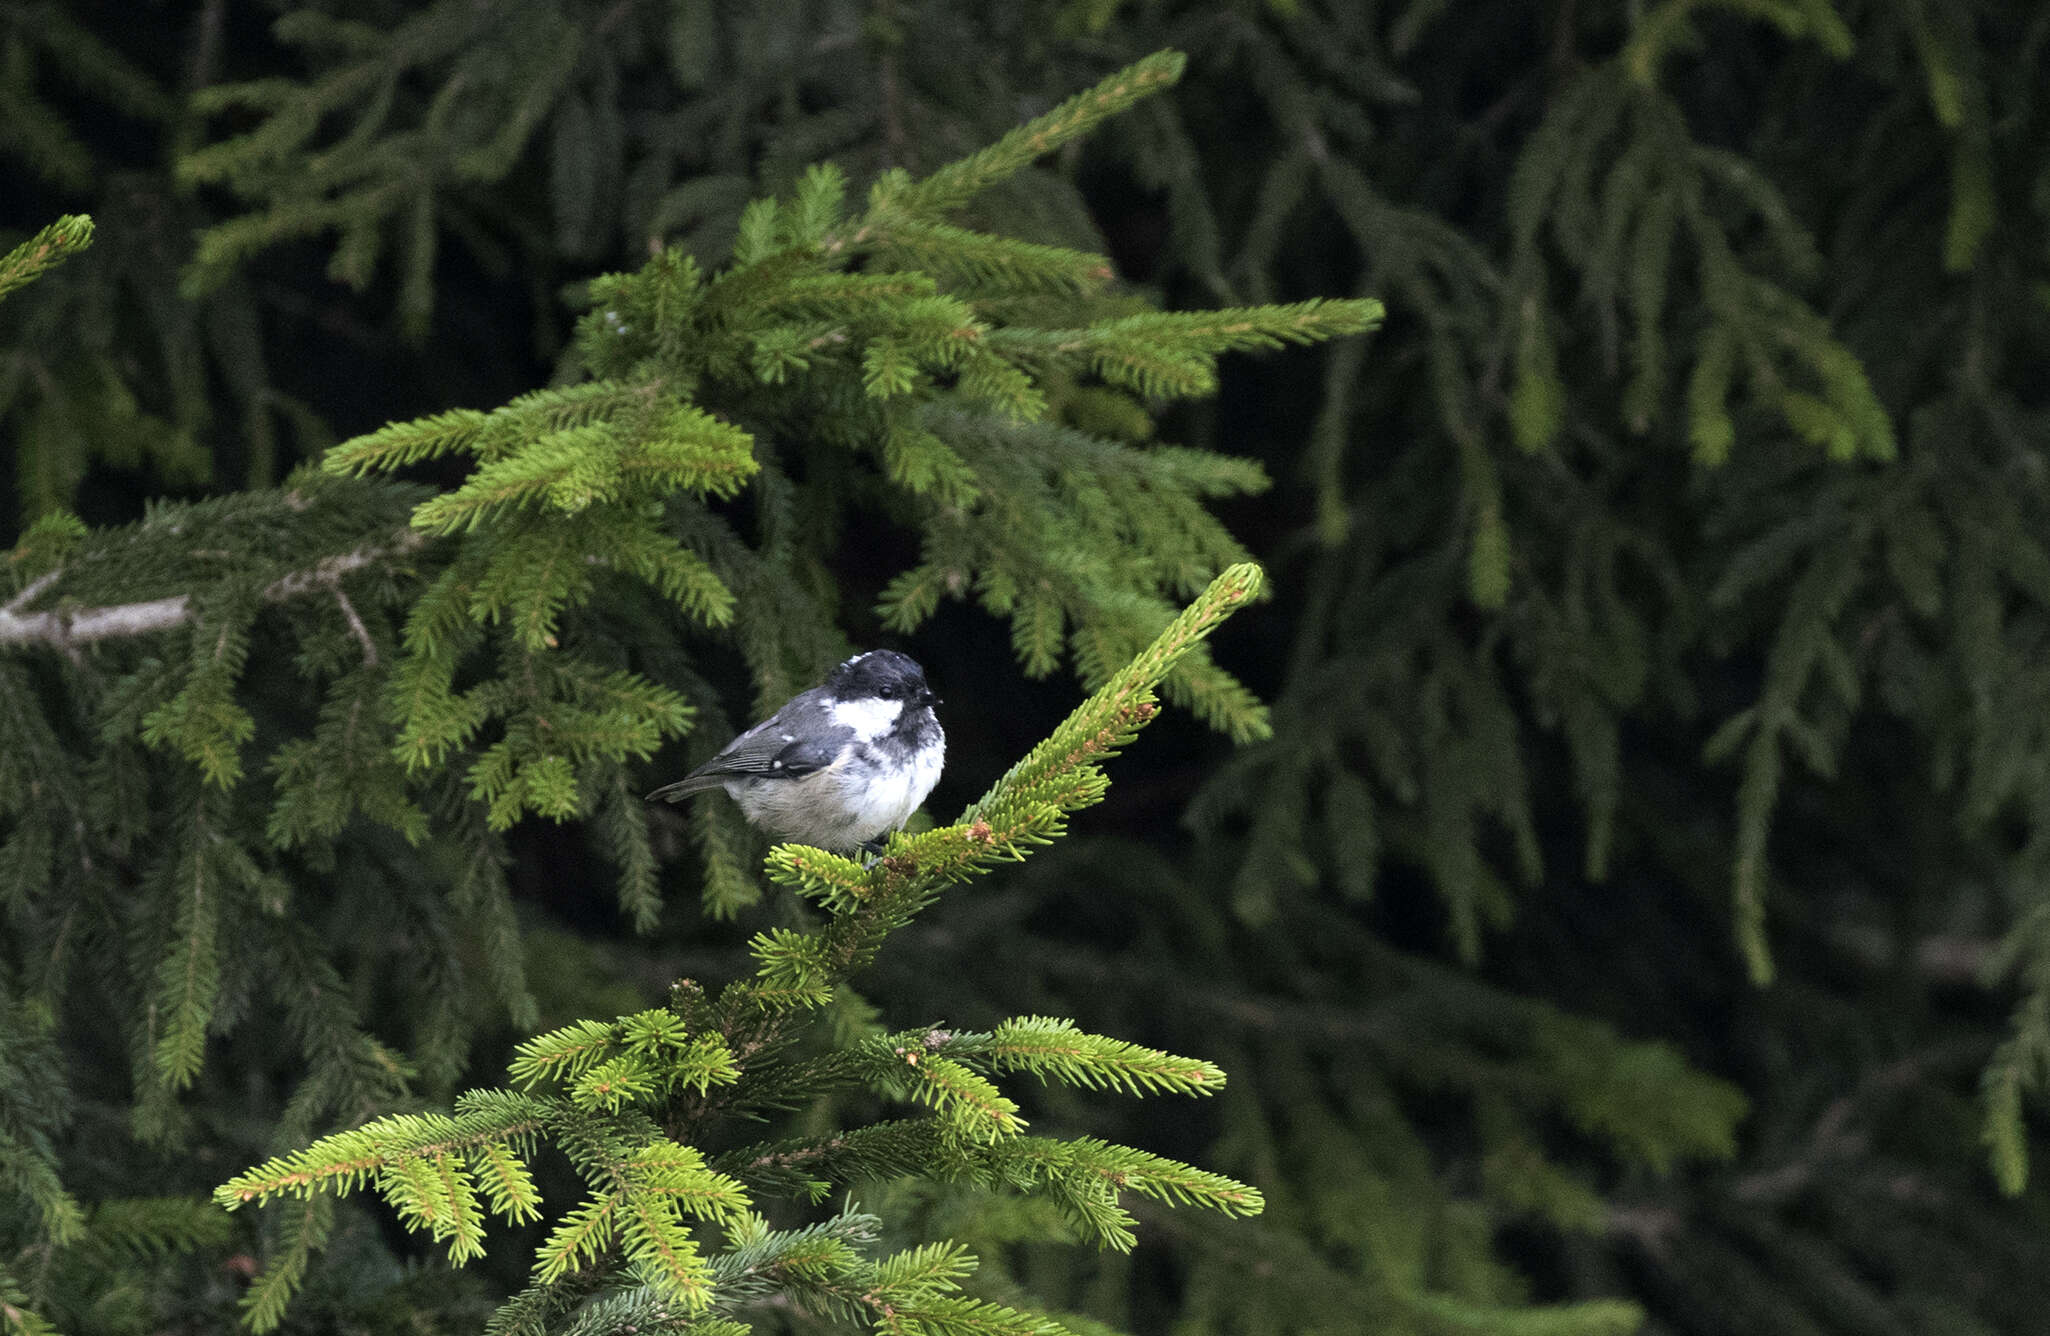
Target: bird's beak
(927, 698)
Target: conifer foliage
(1623, 910)
(475, 651)
(628, 1101)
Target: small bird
(839, 765)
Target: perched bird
(840, 765)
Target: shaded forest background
(1644, 893)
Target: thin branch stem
(35, 587)
(68, 628)
(356, 627)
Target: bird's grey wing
(776, 754)
(772, 749)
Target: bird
(838, 766)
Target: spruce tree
(1633, 917)
(445, 662)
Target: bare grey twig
(66, 628)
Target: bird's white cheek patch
(870, 719)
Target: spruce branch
(1027, 807)
(955, 184)
(1053, 1047)
(344, 1161)
(45, 250)
(68, 628)
(624, 1099)
(16, 1317)
(1113, 715)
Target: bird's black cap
(880, 672)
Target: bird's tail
(685, 787)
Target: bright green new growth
(46, 249)
(624, 1100)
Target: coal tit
(839, 765)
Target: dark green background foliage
(1631, 908)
